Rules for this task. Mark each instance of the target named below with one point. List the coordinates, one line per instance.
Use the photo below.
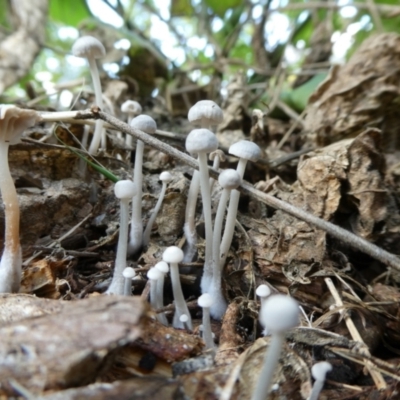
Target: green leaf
(181, 8)
(221, 7)
(63, 12)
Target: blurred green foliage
(210, 41)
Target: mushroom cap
(131, 107)
(263, 291)
(217, 153)
(320, 369)
(246, 150)
(162, 266)
(279, 313)
(88, 47)
(125, 189)
(165, 177)
(173, 254)
(144, 123)
(184, 318)
(205, 111)
(229, 179)
(128, 273)
(205, 300)
(154, 274)
(201, 141)
(14, 121)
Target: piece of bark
(138, 389)
(70, 347)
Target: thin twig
(343, 235)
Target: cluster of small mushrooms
(278, 313)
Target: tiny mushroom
(162, 266)
(13, 122)
(319, 371)
(229, 179)
(279, 314)
(246, 151)
(132, 108)
(91, 48)
(165, 178)
(154, 274)
(174, 255)
(128, 273)
(205, 301)
(205, 113)
(216, 157)
(124, 190)
(147, 125)
(201, 142)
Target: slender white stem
(270, 362)
(189, 227)
(216, 164)
(127, 286)
(219, 305)
(98, 130)
(231, 216)
(160, 300)
(207, 332)
(150, 223)
(153, 293)
(206, 197)
(118, 280)
(11, 260)
(316, 390)
(180, 304)
(135, 241)
(129, 138)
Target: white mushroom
(162, 266)
(279, 314)
(205, 301)
(246, 151)
(203, 141)
(229, 180)
(165, 178)
(13, 122)
(124, 190)
(154, 274)
(147, 125)
(132, 108)
(174, 255)
(91, 48)
(128, 273)
(319, 371)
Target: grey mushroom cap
(229, 179)
(88, 47)
(131, 107)
(206, 110)
(246, 150)
(201, 141)
(144, 123)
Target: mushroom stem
(231, 216)
(11, 260)
(118, 280)
(180, 303)
(269, 366)
(165, 177)
(206, 197)
(189, 227)
(219, 305)
(98, 130)
(135, 241)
